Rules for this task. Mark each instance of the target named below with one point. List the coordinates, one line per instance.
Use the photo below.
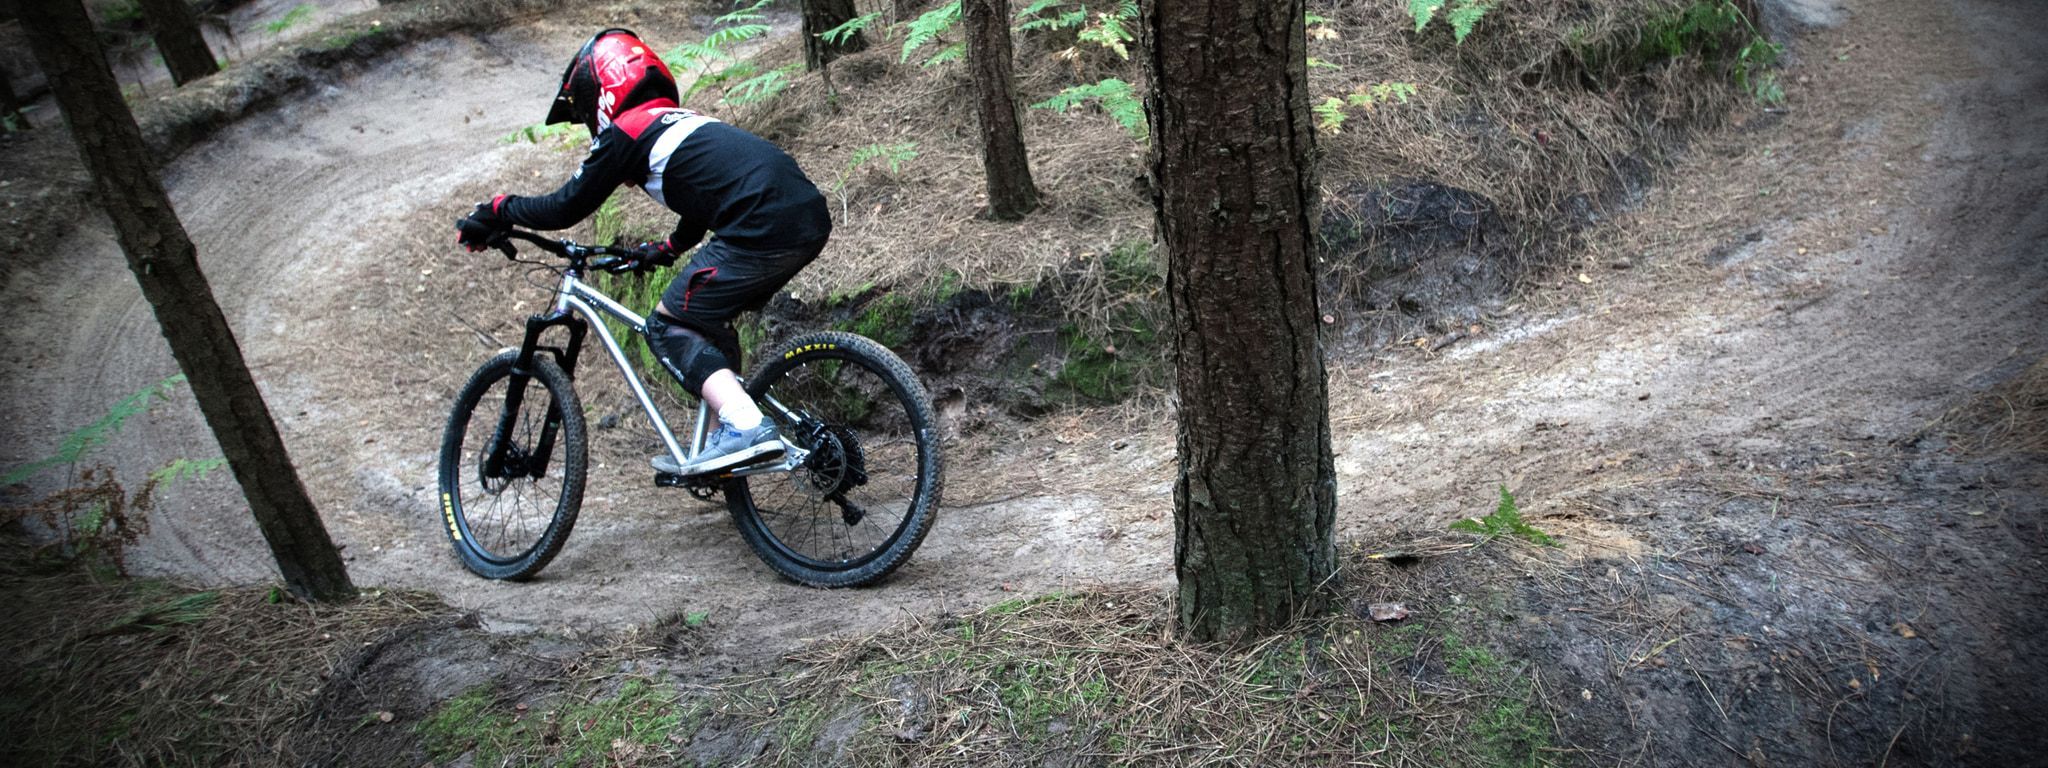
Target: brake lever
(504, 243)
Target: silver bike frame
(579, 297)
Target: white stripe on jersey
(681, 123)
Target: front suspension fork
(536, 464)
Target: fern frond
(1423, 11)
(750, 13)
(953, 52)
(1029, 14)
(926, 28)
(727, 37)
(1114, 96)
(1330, 115)
(1465, 16)
(854, 26)
(895, 154)
(762, 87)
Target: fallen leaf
(385, 716)
(1905, 630)
(1387, 611)
(1584, 279)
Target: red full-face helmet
(613, 72)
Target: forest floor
(1761, 412)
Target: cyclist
(766, 218)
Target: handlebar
(603, 257)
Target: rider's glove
(651, 255)
(483, 226)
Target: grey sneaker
(727, 448)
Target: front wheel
(512, 467)
(868, 487)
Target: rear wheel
(512, 467)
(868, 488)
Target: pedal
(670, 480)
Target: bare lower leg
(723, 389)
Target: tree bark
(1011, 194)
(166, 265)
(1255, 500)
(176, 31)
(823, 15)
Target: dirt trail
(1896, 264)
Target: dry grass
(1098, 677)
(140, 672)
(2011, 417)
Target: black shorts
(721, 280)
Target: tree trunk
(1011, 194)
(165, 263)
(176, 31)
(905, 10)
(1255, 501)
(822, 15)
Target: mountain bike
(852, 496)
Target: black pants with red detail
(721, 280)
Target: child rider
(767, 220)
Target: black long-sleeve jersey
(718, 178)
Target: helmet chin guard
(612, 73)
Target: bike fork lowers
(515, 394)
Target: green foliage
(535, 134)
(840, 34)
(119, 12)
(762, 87)
(895, 155)
(1505, 520)
(338, 40)
(639, 291)
(954, 52)
(716, 65)
(928, 28)
(1114, 96)
(642, 713)
(1462, 16)
(1051, 15)
(1513, 732)
(181, 469)
(1710, 28)
(470, 722)
(886, 319)
(1112, 29)
(93, 435)
(290, 19)
(1330, 113)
